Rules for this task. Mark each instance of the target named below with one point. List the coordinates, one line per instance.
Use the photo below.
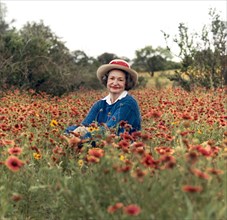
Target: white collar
(107, 98)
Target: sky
(119, 27)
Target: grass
(175, 168)
(159, 80)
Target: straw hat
(117, 64)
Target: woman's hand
(82, 130)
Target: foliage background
(35, 58)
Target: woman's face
(116, 82)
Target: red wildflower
(192, 189)
(149, 161)
(7, 142)
(215, 150)
(126, 136)
(170, 164)
(215, 171)
(124, 169)
(51, 140)
(138, 144)
(55, 159)
(166, 158)
(204, 151)
(139, 174)
(58, 150)
(35, 149)
(132, 210)
(138, 147)
(211, 142)
(96, 152)
(164, 150)
(92, 159)
(153, 114)
(122, 123)
(2, 135)
(17, 127)
(13, 163)
(184, 133)
(16, 197)
(146, 136)
(186, 142)
(156, 114)
(169, 161)
(74, 111)
(192, 157)
(113, 208)
(127, 127)
(136, 134)
(200, 174)
(15, 150)
(124, 145)
(186, 116)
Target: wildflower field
(174, 168)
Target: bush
(202, 61)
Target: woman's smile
(116, 83)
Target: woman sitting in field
(118, 106)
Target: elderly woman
(118, 105)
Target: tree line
(35, 58)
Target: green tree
(150, 60)
(6, 57)
(106, 58)
(36, 59)
(3, 25)
(203, 56)
(44, 58)
(80, 57)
